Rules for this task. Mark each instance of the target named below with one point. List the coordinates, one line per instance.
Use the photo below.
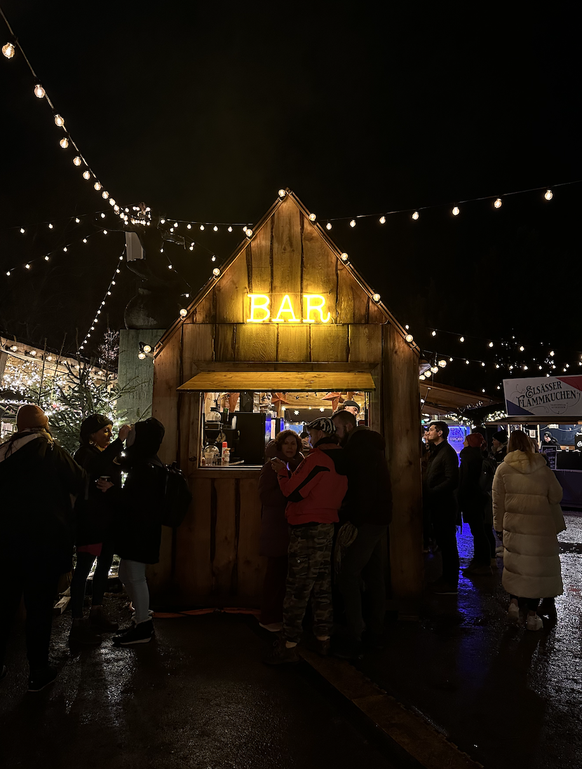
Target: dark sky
(204, 110)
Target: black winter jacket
(440, 481)
(470, 495)
(94, 509)
(36, 513)
(369, 495)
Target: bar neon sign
(260, 310)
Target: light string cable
(453, 208)
(67, 141)
(52, 223)
(112, 283)
(173, 223)
(59, 249)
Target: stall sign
(287, 309)
(543, 396)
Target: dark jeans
(483, 541)
(363, 562)
(446, 539)
(36, 578)
(100, 577)
(531, 604)
(274, 589)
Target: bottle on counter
(225, 453)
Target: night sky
(203, 111)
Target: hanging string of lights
(66, 142)
(202, 226)
(53, 224)
(453, 209)
(59, 250)
(108, 293)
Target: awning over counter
(279, 381)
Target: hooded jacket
(274, 527)
(470, 496)
(369, 496)
(139, 502)
(38, 478)
(315, 491)
(525, 493)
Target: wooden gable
(287, 255)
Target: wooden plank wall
(214, 557)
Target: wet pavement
(199, 696)
(504, 695)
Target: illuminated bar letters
(314, 309)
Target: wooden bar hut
(288, 314)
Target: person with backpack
(138, 527)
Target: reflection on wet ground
(199, 696)
(505, 695)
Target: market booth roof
(441, 399)
(284, 381)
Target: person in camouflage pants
(314, 495)
(309, 575)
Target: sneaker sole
(133, 643)
(48, 683)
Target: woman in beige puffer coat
(525, 496)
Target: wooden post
(402, 431)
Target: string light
(8, 50)
(548, 195)
(39, 91)
(86, 175)
(216, 272)
(328, 226)
(409, 338)
(344, 257)
(98, 313)
(382, 220)
(456, 211)
(416, 215)
(312, 217)
(59, 122)
(353, 223)
(64, 143)
(376, 297)
(183, 312)
(282, 193)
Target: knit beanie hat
(30, 416)
(350, 403)
(474, 440)
(501, 436)
(325, 424)
(93, 424)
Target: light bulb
(64, 142)
(8, 273)
(442, 363)
(22, 230)
(201, 226)
(46, 258)
(65, 249)
(230, 229)
(522, 348)
(86, 175)
(183, 312)
(382, 220)
(77, 220)
(552, 353)
(141, 355)
(456, 211)
(8, 50)
(215, 228)
(422, 377)
(105, 232)
(344, 257)
(461, 339)
(97, 186)
(482, 363)
(249, 232)
(409, 338)
(434, 369)
(490, 344)
(467, 362)
(216, 272)
(312, 217)
(282, 193)
(147, 348)
(103, 216)
(434, 333)
(111, 202)
(27, 266)
(84, 240)
(376, 297)
(328, 226)
(39, 91)
(353, 223)
(59, 121)
(548, 194)
(105, 194)
(415, 215)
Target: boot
(100, 622)
(83, 634)
(547, 608)
(137, 634)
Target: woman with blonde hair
(525, 495)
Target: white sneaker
(273, 627)
(513, 612)
(534, 622)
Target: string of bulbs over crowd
(141, 216)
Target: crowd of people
(509, 489)
(53, 502)
(326, 507)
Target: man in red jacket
(315, 492)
